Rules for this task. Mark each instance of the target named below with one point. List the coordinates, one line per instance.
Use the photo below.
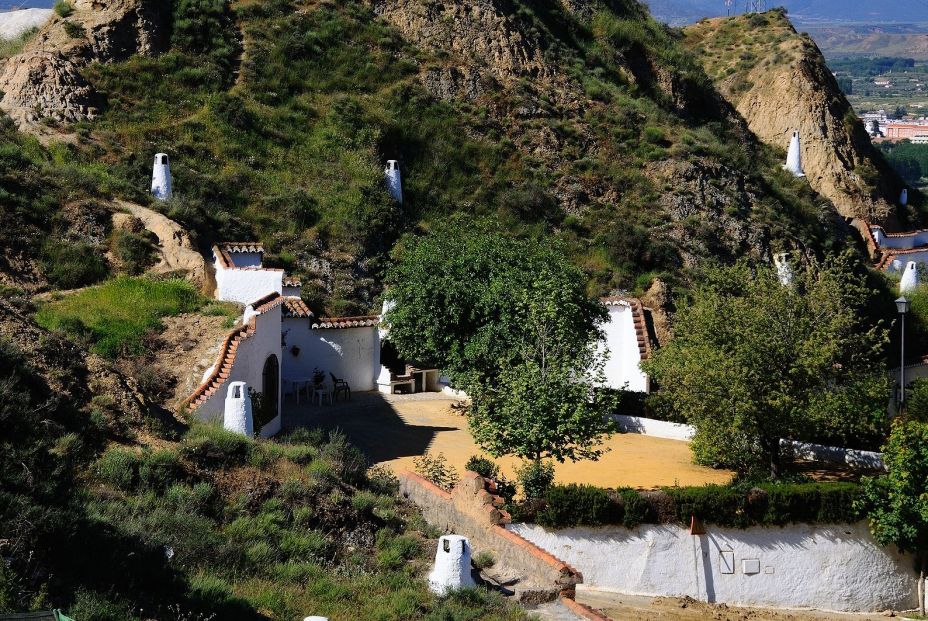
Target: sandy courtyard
(394, 429)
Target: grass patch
(115, 316)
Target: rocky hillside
(778, 81)
(45, 81)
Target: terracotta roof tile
(295, 307)
(266, 303)
(330, 323)
(289, 281)
(242, 246)
(224, 363)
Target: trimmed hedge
(736, 506)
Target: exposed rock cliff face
(45, 79)
(518, 71)
(778, 81)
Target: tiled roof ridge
(361, 321)
(641, 326)
(236, 246)
(222, 368)
(296, 307)
(290, 281)
(267, 302)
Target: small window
(446, 545)
(236, 392)
(164, 160)
(463, 546)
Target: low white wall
(652, 427)
(806, 450)
(622, 368)
(352, 354)
(898, 264)
(905, 242)
(246, 285)
(830, 567)
(249, 368)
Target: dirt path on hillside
(175, 250)
(642, 608)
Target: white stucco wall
(352, 354)
(830, 567)
(905, 242)
(652, 427)
(622, 363)
(898, 264)
(246, 259)
(249, 368)
(246, 285)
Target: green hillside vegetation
(115, 316)
(283, 138)
(213, 524)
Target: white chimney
(452, 565)
(237, 417)
(161, 178)
(394, 181)
(793, 157)
(909, 277)
(784, 269)
(904, 197)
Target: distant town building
(906, 129)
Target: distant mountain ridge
(678, 12)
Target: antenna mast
(755, 6)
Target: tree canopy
(509, 321)
(897, 502)
(753, 361)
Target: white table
(299, 383)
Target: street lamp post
(902, 305)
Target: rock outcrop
(45, 80)
(778, 81)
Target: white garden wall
(652, 427)
(352, 354)
(248, 367)
(622, 363)
(831, 567)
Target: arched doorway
(270, 389)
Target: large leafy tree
(897, 502)
(509, 320)
(753, 361)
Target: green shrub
(94, 606)
(69, 265)
(483, 560)
(483, 466)
(735, 506)
(364, 501)
(578, 505)
(635, 508)
(536, 478)
(63, 8)
(436, 469)
(348, 462)
(213, 446)
(306, 546)
(134, 250)
(74, 30)
(160, 469)
(118, 467)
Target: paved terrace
(394, 429)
